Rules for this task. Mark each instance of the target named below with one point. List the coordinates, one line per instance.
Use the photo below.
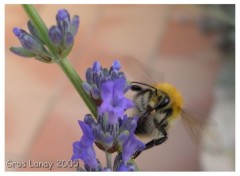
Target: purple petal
(76, 150)
(123, 137)
(89, 75)
(118, 111)
(105, 108)
(131, 145)
(63, 21)
(55, 35)
(112, 118)
(129, 124)
(96, 66)
(68, 40)
(88, 119)
(74, 25)
(107, 91)
(119, 85)
(87, 137)
(17, 31)
(88, 156)
(126, 104)
(62, 15)
(126, 167)
(87, 88)
(116, 65)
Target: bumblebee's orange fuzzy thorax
(174, 95)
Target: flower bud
(68, 40)
(55, 35)
(32, 47)
(116, 65)
(63, 21)
(34, 31)
(22, 52)
(74, 25)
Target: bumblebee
(158, 106)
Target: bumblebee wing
(140, 72)
(194, 125)
(204, 131)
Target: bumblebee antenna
(144, 85)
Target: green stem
(109, 159)
(41, 27)
(77, 83)
(62, 62)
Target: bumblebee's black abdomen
(145, 126)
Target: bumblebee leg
(160, 140)
(161, 127)
(163, 123)
(135, 155)
(155, 142)
(149, 145)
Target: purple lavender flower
(126, 167)
(130, 146)
(97, 75)
(61, 36)
(32, 46)
(114, 130)
(84, 150)
(114, 103)
(121, 166)
(118, 138)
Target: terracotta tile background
(42, 107)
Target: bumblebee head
(176, 99)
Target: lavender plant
(114, 130)
(52, 45)
(108, 126)
(60, 35)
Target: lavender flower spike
(32, 47)
(113, 131)
(130, 146)
(62, 35)
(84, 150)
(97, 75)
(114, 103)
(28, 42)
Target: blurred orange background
(42, 107)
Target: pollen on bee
(172, 92)
(153, 111)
